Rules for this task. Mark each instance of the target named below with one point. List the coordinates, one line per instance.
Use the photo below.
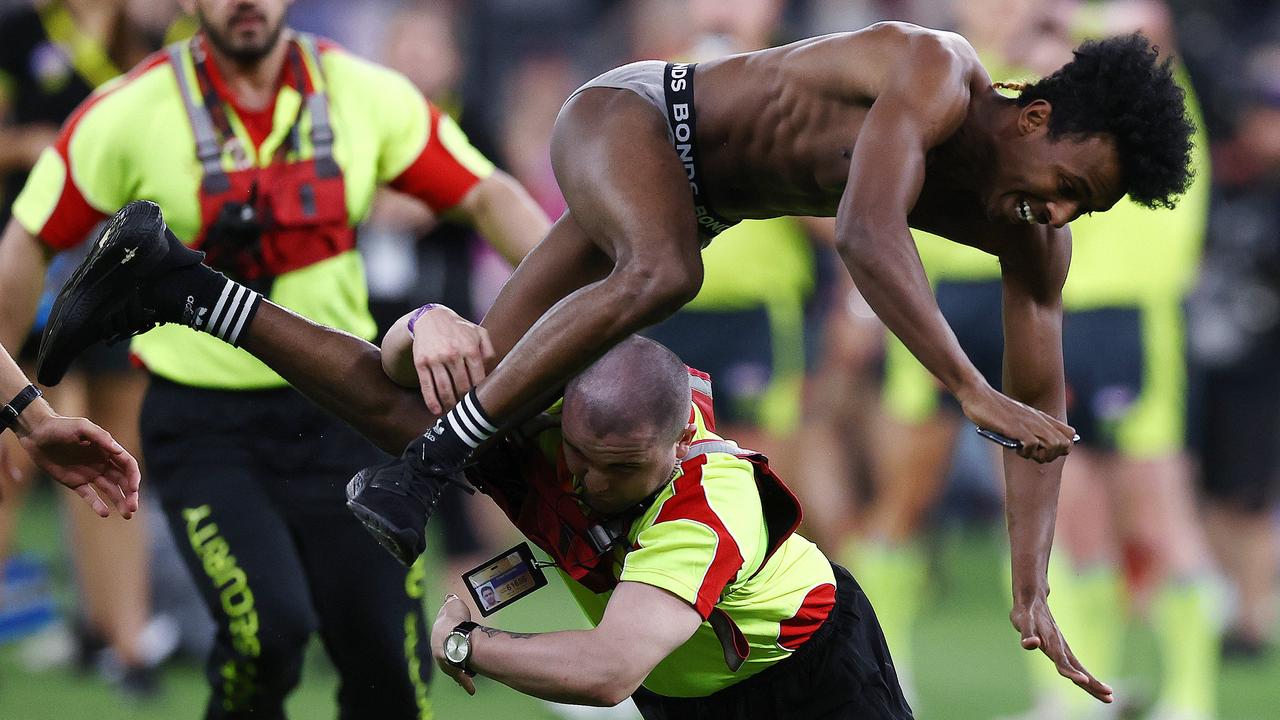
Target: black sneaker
(102, 301)
(394, 500)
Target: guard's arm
(505, 215)
(71, 450)
(642, 625)
(23, 262)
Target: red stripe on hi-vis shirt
(690, 503)
(72, 218)
(436, 177)
(817, 605)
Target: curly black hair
(1118, 87)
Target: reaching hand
(1039, 631)
(85, 458)
(449, 353)
(1044, 438)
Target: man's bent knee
(652, 293)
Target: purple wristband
(413, 319)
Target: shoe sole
(108, 257)
(386, 535)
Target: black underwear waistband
(677, 85)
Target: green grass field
(969, 663)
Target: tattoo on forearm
(495, 632)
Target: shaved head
(638, 385)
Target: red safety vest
(302, 203)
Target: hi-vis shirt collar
(307, 91)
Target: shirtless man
(890, 127)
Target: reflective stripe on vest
(208, 145)
(704, 447)
(208, 149)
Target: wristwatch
(10, 412)
(457, 646)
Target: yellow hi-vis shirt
(705, 540)
(132, 140)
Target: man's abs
(778, 140)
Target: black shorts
(735, 347)
(1105, 359)
(1239, 431)
(843, 671)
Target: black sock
(203, 299)
(449, 444)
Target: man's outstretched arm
(1033, 373)
(924, 102)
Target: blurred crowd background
(1169, 547)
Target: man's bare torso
(777, 127)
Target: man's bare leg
(344, 375)
(1159, 522)
(628, 193)
(138, 274)
(562, 263)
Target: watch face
(456, 647)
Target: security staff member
(265, 147)
(680, 547)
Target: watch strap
(9, 413)
(464, 628)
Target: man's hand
(452, 612)
(1044, 438)
(85, 458)
(449, 353)
(1034, 621)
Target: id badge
(505, 579)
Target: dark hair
(1116, 86)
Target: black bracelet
(9, 413)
